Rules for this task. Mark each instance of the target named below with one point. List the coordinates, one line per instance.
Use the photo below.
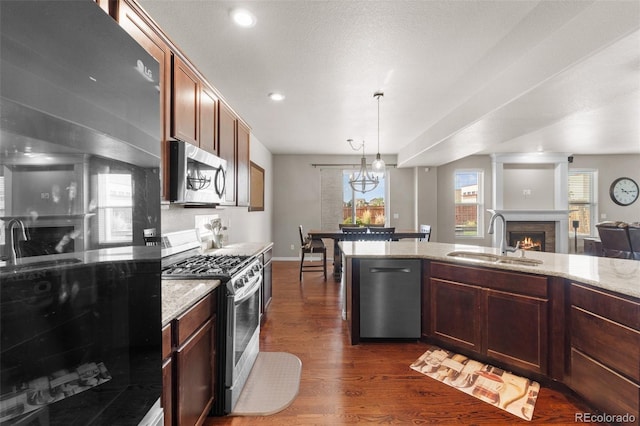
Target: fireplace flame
(528, 244)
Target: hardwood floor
(370, 382)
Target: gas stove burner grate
(205, 265)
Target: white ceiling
(459, 77)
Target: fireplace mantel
(560, 217)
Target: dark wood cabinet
(190, 370)
(516, 330)
(455, 313)
(486, 311)
(208, 121)
(139, 26)
(227, 148)
(185, 102)
(243, 165)
(605, 349)
(167, 374)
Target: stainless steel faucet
(504, 244)
(14, 250)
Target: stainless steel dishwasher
(390, 299)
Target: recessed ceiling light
(276, 96)
(243, 18)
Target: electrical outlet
(293, 247)
(526, 192)
(603, 216)
(396, 216)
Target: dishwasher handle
(379, 269)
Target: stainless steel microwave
(197, 177)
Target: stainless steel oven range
(239, 332)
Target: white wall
(536, 179)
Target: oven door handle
(253, 287)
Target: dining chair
(310, 246)
(381, 234)
(427, 230)
(615, 239)
(354, 233)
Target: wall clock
(624, 191)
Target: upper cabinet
(135, 22)
(243, 165)
(195, 108)
(191, 109)
(208, 120)
(185, 91)
(234, 141)
(227, 148)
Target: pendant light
(378, 166)
(363, 181)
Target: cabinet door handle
(389, 270)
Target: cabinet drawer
(623, 311)
(594, 381)
(530, 285)
(595, 336)
(166, 341)
(190, 321)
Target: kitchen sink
(494, 258)
(472, 255)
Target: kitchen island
(568, 319)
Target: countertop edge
(615, 275)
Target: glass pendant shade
(378, 167)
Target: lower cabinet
(194, 376)
(167, 374)
(190, 370)
(605, 350)
(498, 314)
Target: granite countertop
(617, 275)
(179, 295)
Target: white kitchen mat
(272, 385)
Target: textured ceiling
(459, 77)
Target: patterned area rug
(514, 394)
(272, 385)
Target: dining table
(337, 235)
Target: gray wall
(611, 167)
(538, 179)
(446, 199)
(427, 198)
(297, 197)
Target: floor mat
(272, 385)
(514, 394)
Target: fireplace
(534, 241)
(533, 235)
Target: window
(363, 209)
(115, 208)
(582, 200)
(469, 203)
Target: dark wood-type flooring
(370, 382)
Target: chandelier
(363, 181)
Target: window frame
(480, 203)
(385, 181)
(593, 204)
